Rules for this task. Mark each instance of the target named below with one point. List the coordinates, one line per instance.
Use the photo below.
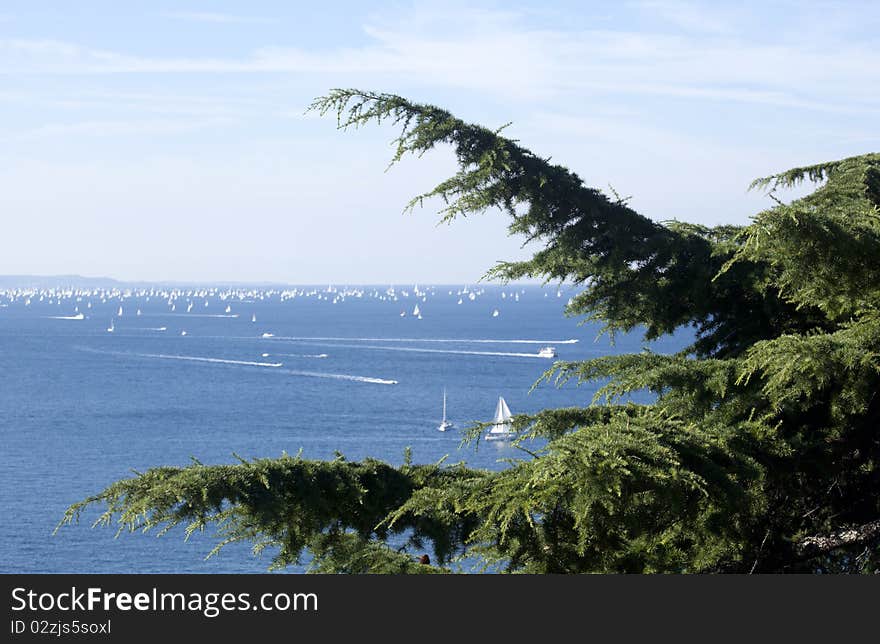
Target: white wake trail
(504, 354)
(297, 355)
(457, 340)
(165, 356)
(190, 315)
(250, 363)
(340, 376)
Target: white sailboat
(111, 328)
(501, 427)
(254, 317)
(444, 424)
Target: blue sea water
(81, 407)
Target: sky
(169, 140)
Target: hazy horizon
(218, 282)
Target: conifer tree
(759, 453)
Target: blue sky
(159, 140)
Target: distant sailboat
(228, 309)
(416, 311)
(495, 313)
(501, 426)
(444, 424)
(138, 312)
(254, 317)
(111, 328)
(119, 312)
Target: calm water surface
(82, 407)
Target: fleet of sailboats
(501, 426)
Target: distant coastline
(81, 281)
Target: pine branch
(821, 544)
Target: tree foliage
(760, 452)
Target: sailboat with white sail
(444, 424)
(502, 428)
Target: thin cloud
(216, 18)
(115, 128)
(691, 17)
(506, 57)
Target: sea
(99, 381)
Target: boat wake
(165, 356)
(340, 376)
(456, 340)
(192, 315)
(504, 354)
(168, 356)
(293, 372)
(248, 363)
(297, 355)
